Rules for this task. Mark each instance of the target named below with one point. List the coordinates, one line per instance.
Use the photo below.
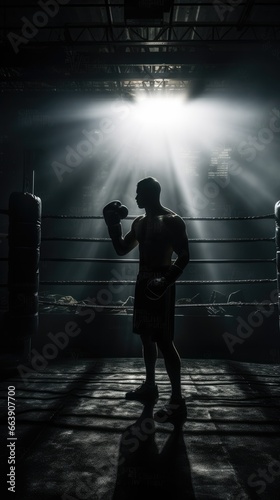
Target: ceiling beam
(49, 58)
(151, 24)
(72, 5)
(246, 13)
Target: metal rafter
(109, 17)
(71, 5)
(124, 55)
(207, 32)
(150, 24)
(246, 12)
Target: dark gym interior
(95, 96)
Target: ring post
(23, 271)
(277, 242)
(28, 185)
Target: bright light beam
(162, 112)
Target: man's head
(148, 192)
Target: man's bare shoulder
(170, 214)
(175, 225)
(173, 219)
(137, 221)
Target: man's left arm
(180, 244)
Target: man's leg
(148, 390)
(150, 353)
(173, 366)
(175, 411)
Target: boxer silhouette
(159, 233)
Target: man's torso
(155, 239)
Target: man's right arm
(113, 213)
(123, 245)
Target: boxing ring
(26, 300)
(77, 436)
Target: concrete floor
(76, 439)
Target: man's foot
(146, 392)
(174, 411)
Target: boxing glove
(114, 212)
(157, 287)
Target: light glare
(160, 111)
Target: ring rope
(80, 240)
(132, 217)
(136, 261)
(198, 240)
(104, 283)
(220, 304)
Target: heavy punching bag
(25, 212)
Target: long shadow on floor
(143, 471)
